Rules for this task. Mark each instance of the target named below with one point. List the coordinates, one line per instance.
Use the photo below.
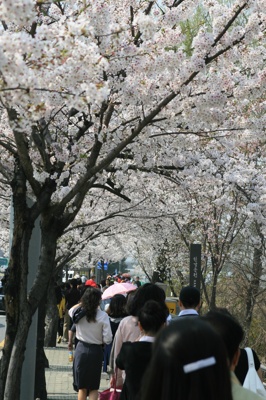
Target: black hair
(74, 282)
(186, 341)
(148, 291)
(228, 328)
(90, 301)
(79, 281)
(117, 306)
(152, 316)
(189, 296)
(103, 282)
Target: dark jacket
(72, 297)
(134, 358)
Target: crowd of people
(149, 354)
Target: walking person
(242, 366)
(232, 335)
(61, 306)
(189, 302)
(116, 312)
(72, 297)
(188, 363)
(92, 331)
(128, 329)
(134, 357)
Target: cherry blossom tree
(216, 205)
(92, 90)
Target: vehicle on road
(2, 303)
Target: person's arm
(121, 358)
(70, 340)
(107, 332)
(257, 364)
(72, 309)
(259, 372)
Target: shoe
(59, 339)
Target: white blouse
(98, 332)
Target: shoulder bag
(252, 380)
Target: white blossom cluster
(111, 91)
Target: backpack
(252, 380)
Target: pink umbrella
(118, 288)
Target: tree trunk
(18, 316)
(51, 320)
(253, 289)
(28, 302)
(42, 362)
(214, 289)
(12, 386)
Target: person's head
(117, 306)
(90, 300)
(103, 282)
(91, 282)
(148, 291)
(188, 362)
(151, 317)
(79, 281)
(73, 283)
(189, 297)
(230, 331)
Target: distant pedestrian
(137, 281)
(189, 301)
(72, 297)
(106, 284)
(92, 331)
(61, 306)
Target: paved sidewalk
(59, 381)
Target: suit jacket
(134, 358)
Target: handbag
(113, 393)
(252, 380)
(110, 394)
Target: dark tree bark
(26, 303)
(253, 289)
(42, 362)
(212, 303)
(18, 314)
(51, 319)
